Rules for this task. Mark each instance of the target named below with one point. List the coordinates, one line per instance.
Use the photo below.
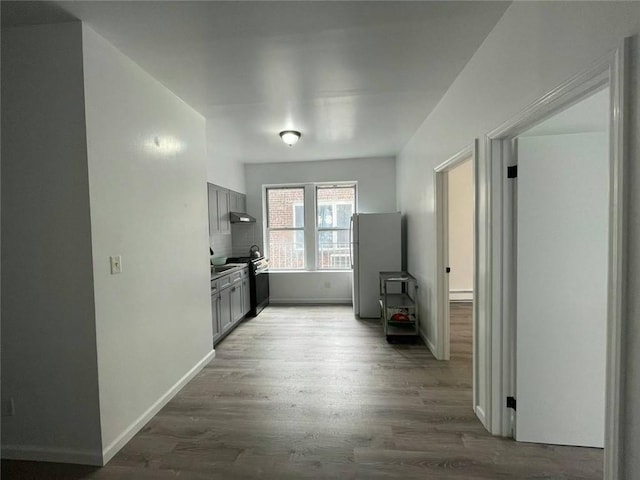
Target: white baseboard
(51, 454)
(481, 415)
(461, 295)
(429, 344)
(128, 434)
(309, 301)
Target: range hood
(236, 217)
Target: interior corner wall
(147, 177)
(49, 363)
(222, 169)
(534, 48)
(460, 207)
(376, 193)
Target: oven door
(261, 290)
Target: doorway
(499, 259)
(560, 211)
(456, 263)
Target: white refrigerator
(375, 247)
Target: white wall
(221, 169)
(310, 287)
(98, 159)
(532, 49)
(376, 193)
(148, 204)
(460, 203)
(49, 364)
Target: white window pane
(285, 210)
(285, 207)
(286, 249)
(325, 216)
(298, 216)
(334, 208)
(333, 250)
(343, 215)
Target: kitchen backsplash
(244, 235)
(221, 245)
(237, 244)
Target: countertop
(236, 268)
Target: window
(285, 227)
(296, 241)
(334, 205)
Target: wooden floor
(313, 393)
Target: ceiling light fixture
(290, 137)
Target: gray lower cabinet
(236, 302)
(230, 301)
(246, 295)
(215, 316)
(226, 320)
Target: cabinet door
(237, 202)
(212, 192)
(226, 320)
(242, 203)
(233, 202)
(236, 302)
(246, 296)
(223, 211)
(215, 316)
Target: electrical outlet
(327, 284)
(116, 264)
(8, 407)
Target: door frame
(498, 268)
(442, 348)
(441, 205)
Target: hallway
(312, 393)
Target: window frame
(268, 229)
(335, 229)
(310, 229)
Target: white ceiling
(356, 78)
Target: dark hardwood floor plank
(314, 393)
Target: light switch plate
(116, 264)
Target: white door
(562, 243)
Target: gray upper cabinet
(224, 226)
(238, 202)
(221, 202)
(219, 208)
(213, 209)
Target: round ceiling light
(290, 137)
